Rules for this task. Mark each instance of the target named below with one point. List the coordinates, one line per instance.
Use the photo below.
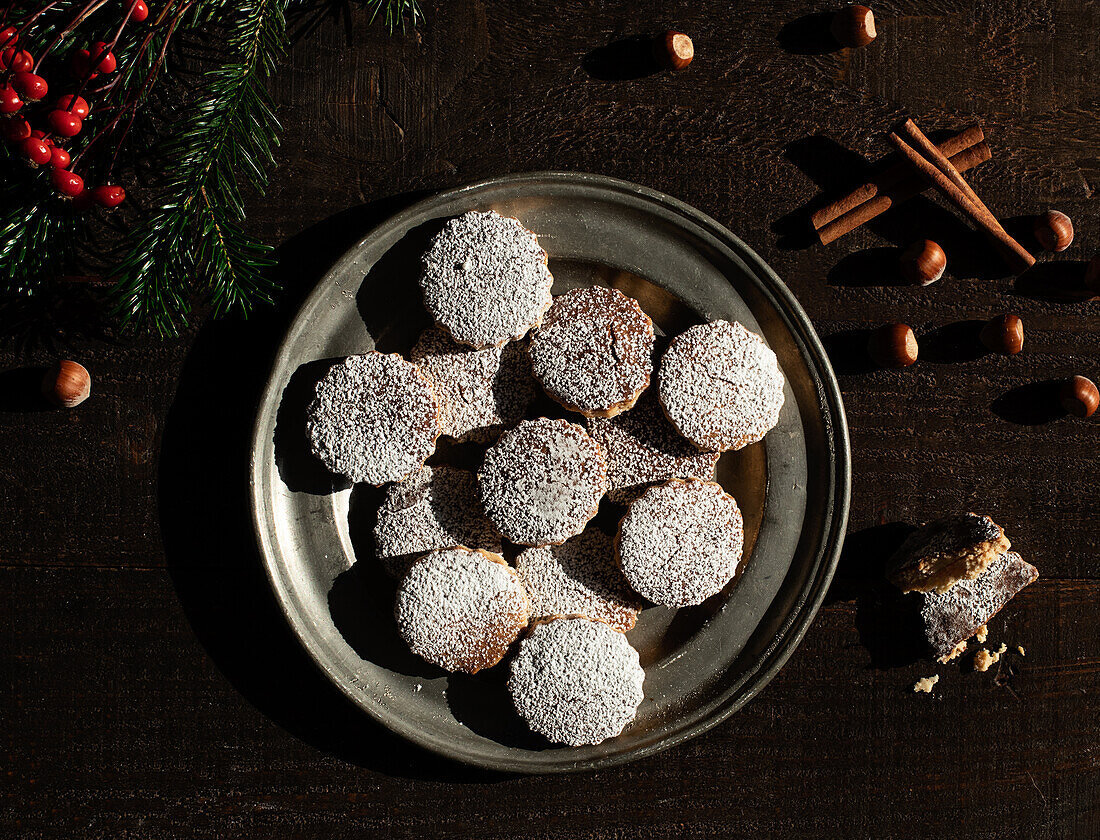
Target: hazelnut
(854, 26)
(673, 50)
(1092, 275)
(893, 346)
(1004, 334)
(67, 384)
(1079, 396)
(923, 262)
(1054, 230)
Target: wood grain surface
(148, 687)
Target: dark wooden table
(149, 688)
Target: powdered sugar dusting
(643, 448)
(579, 577)
(542, 481)
(593, 352)
(721, 386)
(460, 609)
(435, 507)
(374, 418)
(681, 542)
(485, 279)
(576, 681)
(479, 391)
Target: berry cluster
(40, 130)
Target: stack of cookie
(573, 591)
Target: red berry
(67, 183)
(30, 87)
(109, 195)
(64, 123)
(59, 158)
(81, 65)
(35, 150)
(9, 100)
(140, 11)
(101, 59)
(9, 36)
(15, 129)
(73, 104)
(16, 59)
(41, 135)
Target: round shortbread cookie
(593, 352)
(578, 577)
(680, 542)
(721, 386)
(374, 418)
(576, 681)
(479, 391)
(485, 279)
(542, 481)
(460, 609)
(435, 507)
(643, 448)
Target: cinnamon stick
(968, 137)
(908, 186)
(1014, 253)
(944, 165)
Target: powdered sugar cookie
(593, 352)
(721, 386)
(479, 391)
(542, 481)
(578, 577)
(374, 418)
(576, 681)
(435, 507)
(643, 448)
(485, 279)
(460, 609)
(680, 542)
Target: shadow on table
(206, 522)
(887, 621)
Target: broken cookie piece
(950, 618)
(925, 683)
(946, 551)
(985, 659)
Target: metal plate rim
(810, 597)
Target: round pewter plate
(702, 663)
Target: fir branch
(396, 12)
(231, 128)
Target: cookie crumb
(955, 651)
(984, 659)
(925, 684)
(1020, 650)
(982, 634)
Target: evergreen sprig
(396, 12)
(191, 242)
(196, 231)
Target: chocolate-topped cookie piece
(950, 618)
(940, 553)
(593, 352)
